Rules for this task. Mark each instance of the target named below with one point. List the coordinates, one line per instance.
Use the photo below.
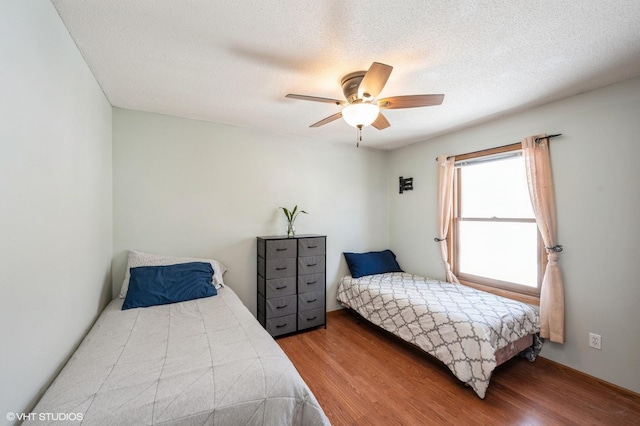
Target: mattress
(205, 362)
(461, 326)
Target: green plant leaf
(291, 215)
(287, 213)
(301, 211)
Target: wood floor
(364, 376)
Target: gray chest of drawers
(291, 283)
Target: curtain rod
(504, 146)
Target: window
(495, 240)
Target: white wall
(192, 188)
(55, 192)
(597, 182)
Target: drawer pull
(281, 307)
(282, 249)
(313, 264)
(311, 319)
(311, 301)
(281, 269)
(280, 326)
(280, 288)
(312, 247)
(312, 282)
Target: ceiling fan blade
(315, 99)
(374, 80)
(381, 122)
(327, 120)
(410, 101)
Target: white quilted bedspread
(202, 362)
(460, 326)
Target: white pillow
(138, 258)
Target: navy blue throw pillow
(160, 285)
(371, 263)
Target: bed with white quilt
(205, 361)
(470, 331)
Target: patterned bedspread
(460, 326)
(205, 362)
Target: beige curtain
(445, 198)
(538, 169)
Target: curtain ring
(438, 240)
(557, 248)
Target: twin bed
(470, 331)
(207, 360)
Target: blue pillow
(371, 263)
(160, 285)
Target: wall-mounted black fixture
(406, 184)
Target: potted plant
(291, 216)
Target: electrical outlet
(595, 341)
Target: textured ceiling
(233, 61)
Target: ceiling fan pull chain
(359, 137)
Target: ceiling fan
(361, 109)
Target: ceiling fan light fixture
(361, 88)
(360, 114)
